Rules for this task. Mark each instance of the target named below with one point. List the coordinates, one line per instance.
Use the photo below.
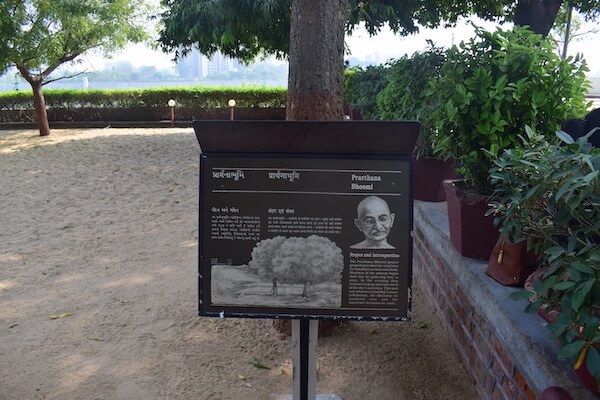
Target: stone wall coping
(524, 336)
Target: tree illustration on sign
(262, 259)
(308, 261)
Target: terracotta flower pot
(472, 233)
(430, 173)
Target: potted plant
(548, 194)
(404, 98)
(493, 85)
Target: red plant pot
(472, 233)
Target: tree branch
(63, 77)
(64, 59)
(28, 76)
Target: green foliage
(361, 86)
(405, 96)
(241, 29)
(250, 28)
(40, 35)
(548, 194)
(494, 85)
(199, 96)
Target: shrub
(404, 97)
(361, 87)
(549, 194)
(197, 96)
(494, 85)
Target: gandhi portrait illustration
(375, 221)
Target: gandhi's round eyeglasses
(370, 221)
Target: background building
(196, 65)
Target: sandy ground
(99, 228)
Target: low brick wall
(508, 353)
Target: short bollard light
(231, 104)
(171, 103)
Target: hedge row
(197, 96)
(147, 114)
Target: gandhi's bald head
(372, 203)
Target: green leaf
(590, 177)
(533, 307)
(583, 267)
(258, 364)
(571, 349)
(521, 294)
(580, 293)
(563, 189)
(564, 137)
(63, 315)
(563, 285)
(592, 362)
(554, 252)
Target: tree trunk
(316, 60)
(315, 79)
(39, 102)
(539, 15)
(563, 55)
(40, 108)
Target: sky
(376, 49)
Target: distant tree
(38, 36)
(308, 261)
(570, 27)
(262, 259)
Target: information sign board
(304, 235)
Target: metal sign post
(306, 220)
(304, 350)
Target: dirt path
(98, 228)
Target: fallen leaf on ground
(258, 364)
(63, 315)
(241, 377)
(93, 338)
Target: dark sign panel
(315, 236)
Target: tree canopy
(40, 35)
(248, 28)
(37, 36)
(311, 260)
